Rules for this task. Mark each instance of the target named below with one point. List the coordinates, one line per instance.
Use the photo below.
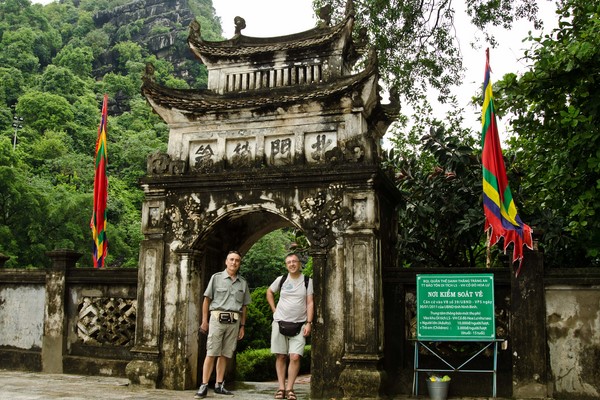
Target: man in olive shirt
(223, 318)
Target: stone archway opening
(238, 230)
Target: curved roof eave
(244, 46)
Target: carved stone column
(363, 376)
(179, 358)
(145, 369)
(54, 340)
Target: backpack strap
(284, 277)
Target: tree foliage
(440, 222)
(554, 111)
(415, 41)
(48, 55)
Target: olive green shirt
(227, 294)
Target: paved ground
(18, 385)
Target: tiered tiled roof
(203, 101)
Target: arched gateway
(285, 135)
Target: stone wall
(573, 327)
(67, 319)
(22, 301)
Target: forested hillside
(56, 62)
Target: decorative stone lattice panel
(106, 321)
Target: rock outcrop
(155, 24)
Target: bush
(259, 365)
(258, 322)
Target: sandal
(280, 394)
(291, 395)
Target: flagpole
(488, 251)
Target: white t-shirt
(292, 299)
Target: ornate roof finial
(240, 23)
(195, 29)
(350, 8)
(325, 14)
(149, 72)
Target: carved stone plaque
(203, 155)
(317, 143)
(279, 150)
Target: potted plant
(437, 386)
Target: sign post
(455, 307)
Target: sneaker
(220, 389)
(202, 391)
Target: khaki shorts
(281, 344)
(222, 338)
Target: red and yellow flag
(501, 218)
(98, 222)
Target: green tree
(441, 221)
(265, 260)
(553, 109)
(417, 50)
(44, 111)
(63, 82)
(17, 50)
(11, 85)
(258, 322)
(77, 59)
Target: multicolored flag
(501, 218)
(98, 222)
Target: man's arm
(310, 313)
(205, 315)
(271, 299)
(242, 330)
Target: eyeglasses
(234, 252)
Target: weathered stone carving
(106, 321)
(161, 164)
(324, 215)
(352, 151)
(185, 220)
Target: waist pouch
(225, 317)
(290, 328)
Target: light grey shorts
(281, 344)
(222, 338)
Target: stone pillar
(363, 376)
(528, 328)
(325, 366)
(145, 369)
(183, 308)
(54, 340)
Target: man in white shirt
(295, 306)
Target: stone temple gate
(286, 135)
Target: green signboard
(455, 307)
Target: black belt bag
(290, 328)
(226, 318)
